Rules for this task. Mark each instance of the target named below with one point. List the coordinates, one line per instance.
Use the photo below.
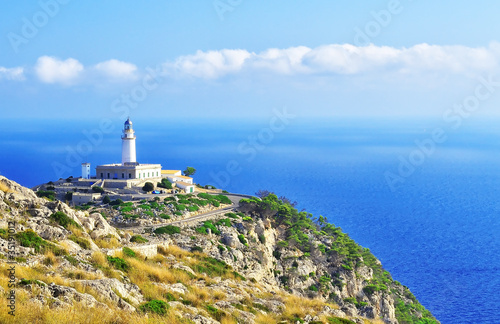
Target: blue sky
(242, 58)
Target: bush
(68, 196)
(196, 249)
(138, 239)
(165, 184)
(339, 320)
(242, 239)
(164, 216)
(116, 202)
(97, 189)
(313, 288)
(50, 195)
(226, 222)
(106, 200)
(30, 239)
(193, 208)
(148, 186)
(208, 225)
(262, 239)
(169, 229)
(84, 243)
(118, 263)
(63, 220)
(155, 306)
(128, 252)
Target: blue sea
(434, 225)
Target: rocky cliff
(265, 262)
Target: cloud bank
(338, 59)
(328, 60)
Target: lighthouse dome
(128, 122)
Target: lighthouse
(128, 143)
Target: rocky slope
(263, 263)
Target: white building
(83, 198)
(180, 181)
(128, 143)
(85, 170)
(129, 168)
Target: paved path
(235, 198)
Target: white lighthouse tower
(128, 143)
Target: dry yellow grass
(228, 320)
(175, 251)
(266, 318)
(107, 243)
(99, 259)
(50, 259)
(27, 312)
(4, 188)
(77, 231)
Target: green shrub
(193, 208)
(165, 183)
(313, 288)
(148, 186)
(215, 313)
(106, 200)
(68, 196)
(128, 252)
(138, 239)
(196, 249)
(127, 209)
(339, 320)
(262, 238)
(164, 216)
(283, 244)
(82, 242)
(208, 225)
(116, 202)
(97, 189)
(169, 229)
(118, 263)
(242, 239)
(277, 254)
(71, 260)
(50, 195)
(212, 267)
(225, 221)
(155, 306)
(231, 215)
(30, 239)
(169, 297)
(181, 207)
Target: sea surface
(435, 226)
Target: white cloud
(53, 70)
(209, 65)
(339, 59)
(117, 70)
(15, 74)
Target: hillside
(263, 263)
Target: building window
(102, 175)
(108, 175)
(144, 175)
(148, 174)
(123, 175)
(130, 175)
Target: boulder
(109, 287)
